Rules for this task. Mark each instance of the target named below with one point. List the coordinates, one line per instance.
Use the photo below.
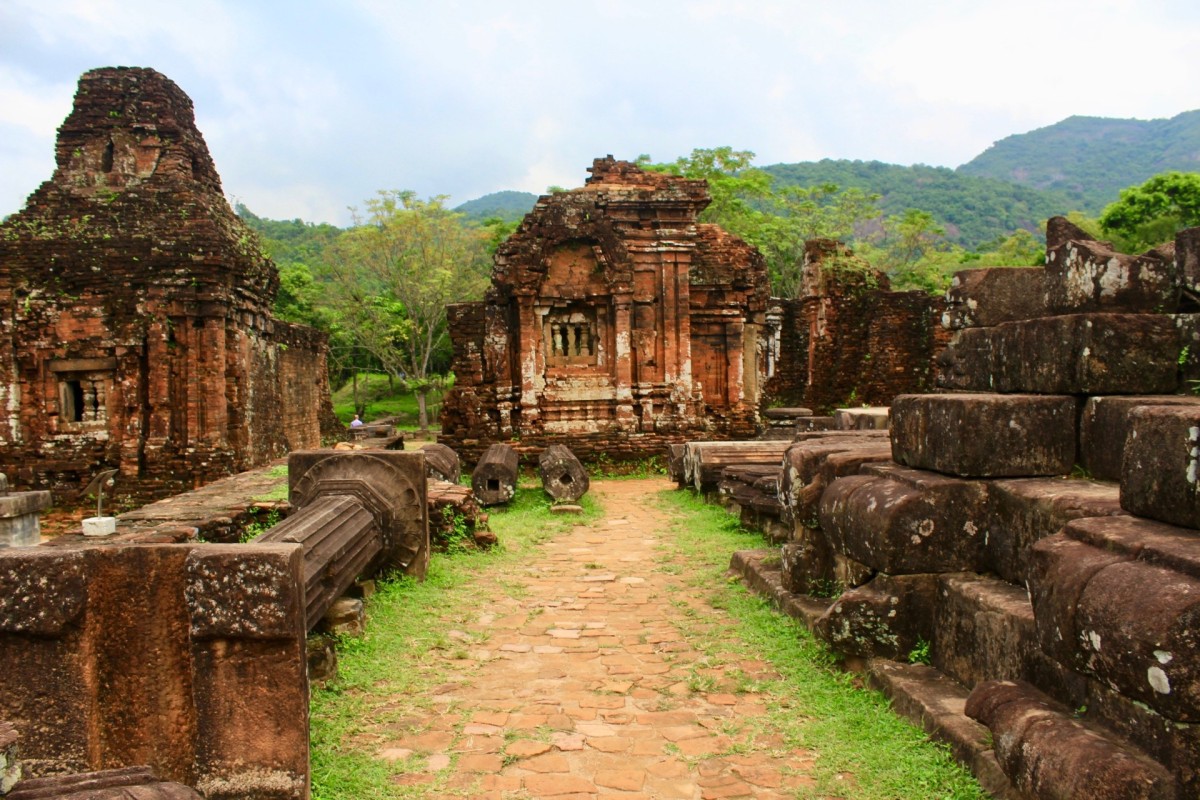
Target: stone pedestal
(19, 526)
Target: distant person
(356, 422)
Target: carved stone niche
(390, 484)
(571, 336)
(83, 388)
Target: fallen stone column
(563, 477)
(704, 462)
(442, 462)
(340, 537)
(355, 513)
(494, 480)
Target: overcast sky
(309, 107)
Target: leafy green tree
(1152, 213)
(392, 275)
(747, 202)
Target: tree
(1152, 213)
(777, 220)
(392, 274)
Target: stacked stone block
(1034, 533)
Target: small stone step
(1084, 354)
(887, 617)
(983, 630)
(1046, 751)
(985, 435)
(936, 703)
(1024, 510)
(760, 570)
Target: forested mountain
(974, 211)
(1090, 159)
(508, 206)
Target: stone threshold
(919, 693)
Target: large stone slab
(1087, 275)
(902, 521)
(983, 628)
(1105, 424)
(1161, 464)
(985, 435)
(1022, 511)
(1156, 543)
(988, 296)
(1088, 354)
(1047, 752)
(885, 618)
(1130, 623)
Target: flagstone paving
(581, 685)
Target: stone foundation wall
(856, 347)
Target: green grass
(387, 676)
(852, 730)
(382, 400)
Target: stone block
(1130, 623)
(809, 466)
(985, 435)
(1047, 752)
(1137, 623)
(1086, 275)
(806, 563)
(1175, 745)
(321, 657)
(965, 364)
(900, 521)
(1161, 462)
(871, 418)
(988, 296)
(983, 629)
(1105, 424)
(1059, 570)
(885, 618)
(1187, 258)
(346, 617)
(41, 590)
(1089, 354)
(246, 591)
(1025, 510)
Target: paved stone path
(585, 687)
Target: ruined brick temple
(614, 318)
(135, 322)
